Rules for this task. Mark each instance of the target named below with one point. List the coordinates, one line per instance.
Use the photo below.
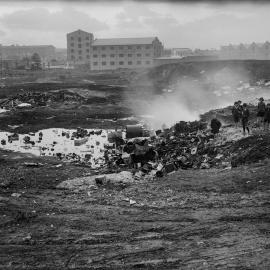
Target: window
(87, 38)
(121, 47)
(87, 56)
(147, 47)
(112, 55)
(72, 38)
(147, 62)
(147, 54)
(139, 62)
(103, 48)
(138, 47)
(72, 44)
(95, 55)
(103, 55)
(80, 58)
(112, 48)
(103, 63)
(87, 44)
(130, 62)
(79, 39)
(87, 50)
(129, 47)
(95, 63)
(79, 45)
(112, 63)
(94, 48)
(139, 55)
(80, 52)
(72, 57)
(121, 63)
(72, 50)
(121, 55)
(129, 55)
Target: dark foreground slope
(192, 219)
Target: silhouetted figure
(245, 118)
(215, 125)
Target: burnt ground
(194, 219)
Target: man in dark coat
(215, 125)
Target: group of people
(241, 113)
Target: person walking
(245, 118)
(260, 112)
(267, 117)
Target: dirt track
(190, 220)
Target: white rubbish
(3, 110)
(194, 151)
(131, 202)
(16, 195)
(24, 105)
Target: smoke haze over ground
(184, 98)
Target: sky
(178, 24)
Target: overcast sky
(177, 24)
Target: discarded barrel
(133, 131)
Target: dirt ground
(203, 219)
(191, 219)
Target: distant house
(259, 51)
(18, 52)
(114, 53)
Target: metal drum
(133, 131)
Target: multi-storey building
(107, 54)
(79, 47)
(259, 51)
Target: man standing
(260, 111)
(245, 118)
(215, 125)
(236, 113)
(267, 117)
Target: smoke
(186, 97)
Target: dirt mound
(250, 150)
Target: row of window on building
(80, 39)
(79, 51)
(80, 45)
(138, 47)
(111, 55)
(103, 48)
(79, 58)
(121, 55)
(121, 63)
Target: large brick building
(106, 54)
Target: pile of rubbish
(27, 99)
(186, 146)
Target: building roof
(80, 31)
(123, 41)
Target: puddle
(55, 141)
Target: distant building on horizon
(177, 52)
(19, 52)
(113, 53)
(256, 51)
